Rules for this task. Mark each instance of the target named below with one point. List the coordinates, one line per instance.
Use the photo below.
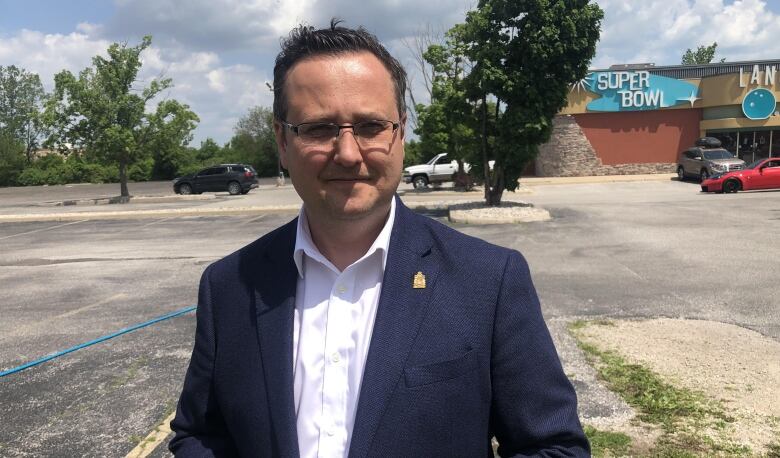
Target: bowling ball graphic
(759, 104)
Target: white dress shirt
(333, 322)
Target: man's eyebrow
(366, 116)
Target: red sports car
(762, 174)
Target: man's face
(338, 179)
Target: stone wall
(570, 154)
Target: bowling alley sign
(636, 91)
(759, 103)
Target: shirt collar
(305, 245)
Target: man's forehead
(357, 82)
(355, 63)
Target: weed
(603, 322)
(773, 450)
(684, 415)
(607, 443)
(135, 439)
(130, 373)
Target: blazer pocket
(441, 371)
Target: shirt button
(335, 357)
(341, 289)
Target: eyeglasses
(375, 132)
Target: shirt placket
(337, 353)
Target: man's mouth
(343, 179)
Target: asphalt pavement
(613, 249)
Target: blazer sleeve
(198, 425)
(534, 406)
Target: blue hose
(98, 340)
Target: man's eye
(318, 131)
(370, 128)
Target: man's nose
(347, 150)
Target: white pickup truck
(437, 170)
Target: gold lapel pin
(419, 281)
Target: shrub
(11, 161)
(141, 170)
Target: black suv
(233, 178)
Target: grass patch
(773, 450)
(135, 439)
(607, 443)
(688, 419)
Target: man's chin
(355, 207)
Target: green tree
(522, 56)
(254, 141)
(21, 101)
(448, 123)
(209, 152)
(702, 55)
(413, 153)
(172, 124)
(102, 113)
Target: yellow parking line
(153, 439)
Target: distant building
(638, 118)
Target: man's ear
(281, 141)
(402, 127)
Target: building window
(774, 151)
(728, 140)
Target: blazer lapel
(275, 303)
(400, 312)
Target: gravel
(736, 366)
(506, 213)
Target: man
(360, 328)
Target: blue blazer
(449, 366)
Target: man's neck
(343, 242)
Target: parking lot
(634, 249)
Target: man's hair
(305, 41)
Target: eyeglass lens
(367, 132)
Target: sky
(220, 53)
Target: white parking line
(41, 230)
(257, 218)
(112, 234)
(159, 221)
(26, 330)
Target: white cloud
(220, 53)
(47, 54)
(218, 93)
(660, 31)
(209, 24)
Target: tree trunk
(461, 178)
(494, 192)
(124, 193)
(483, 146)
(28, 149)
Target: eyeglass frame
(294, 127)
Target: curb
(228, 211)
(131, 199)
(540, 181)
(78, 216)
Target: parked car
(762, 174)
(438, 170)
(233, 178)
(704, 162)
